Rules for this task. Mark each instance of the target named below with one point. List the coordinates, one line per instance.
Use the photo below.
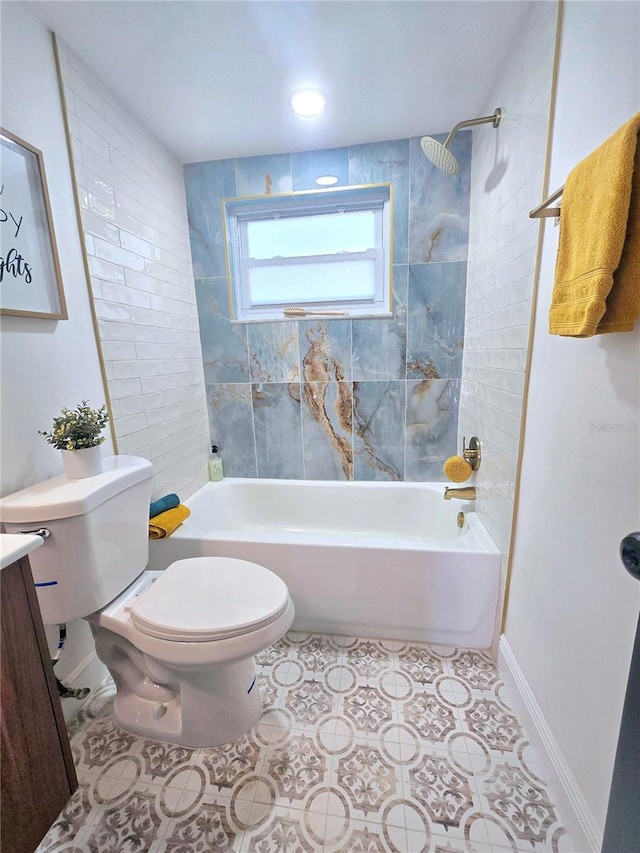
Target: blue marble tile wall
(340, 399)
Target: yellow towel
(166, 523)
(623, 301)
(599, 247)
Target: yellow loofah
(457, 469)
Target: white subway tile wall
(506, 182)
(131, 193)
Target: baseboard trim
(90, 672)
(577, 815)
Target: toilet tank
(99, 539)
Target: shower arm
(472, 122)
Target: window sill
(317, 317)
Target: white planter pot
(79, 464)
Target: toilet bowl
(180, 645)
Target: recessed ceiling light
(308, 103)
(326, 180)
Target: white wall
(506, 181)
(132, 196)
(45, 364)
(572, 609)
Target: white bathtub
(382, 560)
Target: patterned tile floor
(364, 746)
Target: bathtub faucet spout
(466, 493)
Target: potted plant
(77, 433)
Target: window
(322, 250)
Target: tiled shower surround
(362, 399)
(364, 746)
(131, 197)
(508, 166)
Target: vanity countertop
(16, 545)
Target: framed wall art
(30, 280)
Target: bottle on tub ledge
(215, 465)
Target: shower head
(440, 155)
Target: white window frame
(238, 212)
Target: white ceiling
(212, 79)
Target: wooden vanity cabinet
(37, 772)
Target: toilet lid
(209, 598)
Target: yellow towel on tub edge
(166, 523)
(596, 286)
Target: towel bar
(543, 211)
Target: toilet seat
(202, 599)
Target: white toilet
(178, 643)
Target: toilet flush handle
(43, 532)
